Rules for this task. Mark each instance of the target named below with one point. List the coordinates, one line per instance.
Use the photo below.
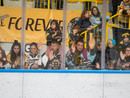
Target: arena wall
(62, 84)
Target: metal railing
(52, 4)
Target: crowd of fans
(78, 57)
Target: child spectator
(74, 35)
(124, 62)
(3, 60)
(77, 57)
(54, 57)
(124, 9)
(111, 52)
(110, 66)
(35, 60)
(14, 53)
(84, 21)
(53, 33)
(17, 63)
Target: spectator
(54, 57)
(124, 9)
(17, 63)
(126, 42)
(3, 59)
(74, 35)
(14, 53)
(110, 66)
(113, 5)
(84, 21)
(35, 60)
(96, 19)
(124, 62)
(111, 52)
(77, 57)
(97, 60)
(53, 33)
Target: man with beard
(54, 56)
(78, 58)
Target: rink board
(64, 84)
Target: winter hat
(113, 41)
(125, 35)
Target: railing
(88, 35)
(109, 25)
(52, 4)
(115, 21)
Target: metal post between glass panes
(103, 34)
(64, 34)
(23, 33)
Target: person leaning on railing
(124, 10)
(84, 21)
(96, 18)
(85, 24)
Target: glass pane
(118, 41)
(44, 35)
(83, 34)
(10, 34)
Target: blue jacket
(85, 57)
(97, 22)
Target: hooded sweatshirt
(123, 9)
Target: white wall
(64, 85)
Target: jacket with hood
(85, 59)
(111, 53)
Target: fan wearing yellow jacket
(124, 10)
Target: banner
(37, 22)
